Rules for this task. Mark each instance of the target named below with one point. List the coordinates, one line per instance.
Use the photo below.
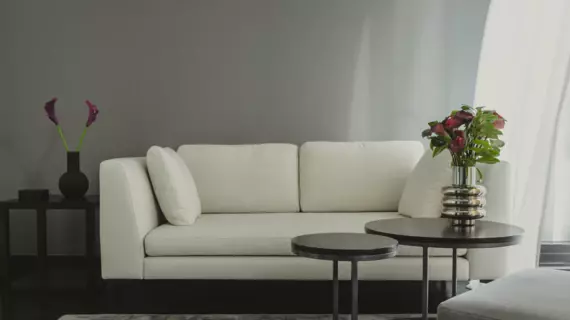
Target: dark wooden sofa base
(265, 297)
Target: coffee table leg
(354, 280)
(335, 290)
(454, 274)
(425, 282)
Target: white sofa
(255, 198)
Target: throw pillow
(173, 186)
(422, 192)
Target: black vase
(73, 184)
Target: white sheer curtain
(523, 73)
(416, 61)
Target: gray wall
(213, 71)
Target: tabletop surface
(344, 243)
(54, 201)
(437, 232)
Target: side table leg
(454, 274)
(425, 282)
(354, 280)
(335, 290)
(5, 284)
(5, 247)
(41, 245)
(90, 245)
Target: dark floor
(67, 291)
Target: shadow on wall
(190, 72)
(215, 71)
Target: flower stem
(62, 137)
(81, 139)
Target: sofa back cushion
(421, 197)
(173, 186)
(245, 178)
(355, 176)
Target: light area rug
(230, 317)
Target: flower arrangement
(92, 116)
(471, 135)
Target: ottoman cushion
(526, 295)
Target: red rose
(439, 130)
(452, 122)
(459, 133)
(457, 144)
(464, 116)
(500, 122)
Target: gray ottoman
(526, 295)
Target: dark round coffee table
(438, 233)
(351, 247)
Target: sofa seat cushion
(251, 234)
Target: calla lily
(93, 112)
(464, 116)
(50, 111)
(439, 130)
(470, 134)
(500, 122)
(49, 107)
(452, 123)
(457, 144)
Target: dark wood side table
(438, 233)
(351, 247)
(89, 204)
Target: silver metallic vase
(464, 200)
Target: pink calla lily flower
(50, 111)
(93, 112)
(500, 122)
(457, 144)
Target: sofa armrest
(128, 213)
(488, 264)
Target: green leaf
(483, 143)
(439, 141)
(490, 132)
(488, 117)
(432, 123)
(497, 143)
(454, 112)
(438, 150)
(489, 160)
(479, 108)
(484, 151)
(465, 107)
(426, 133)
(479, 175)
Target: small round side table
(438, 233)
(351, 247)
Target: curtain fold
(523, 74)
